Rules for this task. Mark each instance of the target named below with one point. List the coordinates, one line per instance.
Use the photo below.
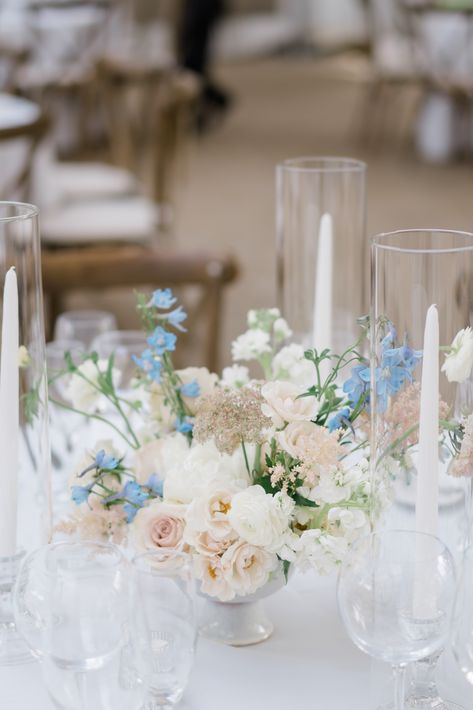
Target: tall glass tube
(322, 256)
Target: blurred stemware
(83, 325)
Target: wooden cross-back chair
(100, 268)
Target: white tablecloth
(308, 663)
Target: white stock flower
(347, 522)
(209, 512)
(337, 484)
(318, 550)
(285, 404)
(159, 456)
(290, 364)
(281, 329)
(235, 376)
(254, 316)
(262, 519)
(246, 568)
(203, 464)
(82, 388)
(250, 345)
(459, 361)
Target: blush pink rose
(159, 526)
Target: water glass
(122, 344)
(73, 605)
(165, 592)
(83, 325)
(396, 592)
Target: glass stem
(399, 673)
(423, 685)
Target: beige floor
(286, 108)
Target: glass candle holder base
(13, 649)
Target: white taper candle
(323, 300)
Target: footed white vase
(242, 621)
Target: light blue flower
(134, 493)
(105, 461)
(190, 389)
(162, 341)
(149, 364)
(339, 419)
(184, 426)
(357, 385)
(390, 338)
(80, 494)
(131, 511)
(162, 298)
(176, 317)
(155, 484)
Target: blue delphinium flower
(184, 426)
(161, 341)
(131, 511)
(357, 385)
(155, 484)
(80, 494)
(339, 419)
(176, 317)
(105, 461)
(190, 389)
(134, 493)
(149, 364)
(162, 298)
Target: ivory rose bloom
(205, 544)
(296, 438)
(459, 361)
(209, 511)
(283, 403)
(213, 581)
(247, 568)
(159, 455)
(159, 526)
(260, 518)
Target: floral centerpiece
(248, 474)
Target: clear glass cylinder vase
(28, 499)
(322, 259)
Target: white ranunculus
(283, 403)
(203, 464)
(294, 439)
(209, 512)
(281, 329)
(252, 344)
(159, 526)
(347, 522)
(290, 364)
(261, 518)
(247, 568)
(459, 361)
(159, 456)
(209, 570)
(82, 388)
(318, 550)
(235, 376)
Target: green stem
(96, 417)
(246, 458)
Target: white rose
(247, 568)
(251, 345)
(235, 376)
(203, 464)
(284, 403)
(347, 522)
(83, 393)
(159, 526)
(209, 512)
(281, 329)
(295, 438)
(459, 361)
(261, 518)
(213, 581)
(290, 364)
(204, 544)
(320, 551)
(159, 456)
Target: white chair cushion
(132, 219)
(76, 181)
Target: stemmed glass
(122, 344)
(463, 635)
(83, 325)
(73, 606)
(396, 591)
(165, 591)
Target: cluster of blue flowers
(132, 495)
(395, 369)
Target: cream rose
(159, 526)
(283, 403)
(459, 360)
(247, 568)
(160, 455)
(295, 438)
(204, 544)
(209, 511)
(209, 570)
(261, 518)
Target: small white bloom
(347, 522)
(262, 519)
(290, 364)
(320, 551)
(281, 329)
(285, 404)
(459, 361)
(338, 483)
(83, 389)
(250, 345)
(235, 376)
(23, 356)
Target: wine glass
(463, 634)
(165, 592)
(73, 606)
(395, 592)
(122, 344)
(83, 325)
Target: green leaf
(285, 566)
(300, 500)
